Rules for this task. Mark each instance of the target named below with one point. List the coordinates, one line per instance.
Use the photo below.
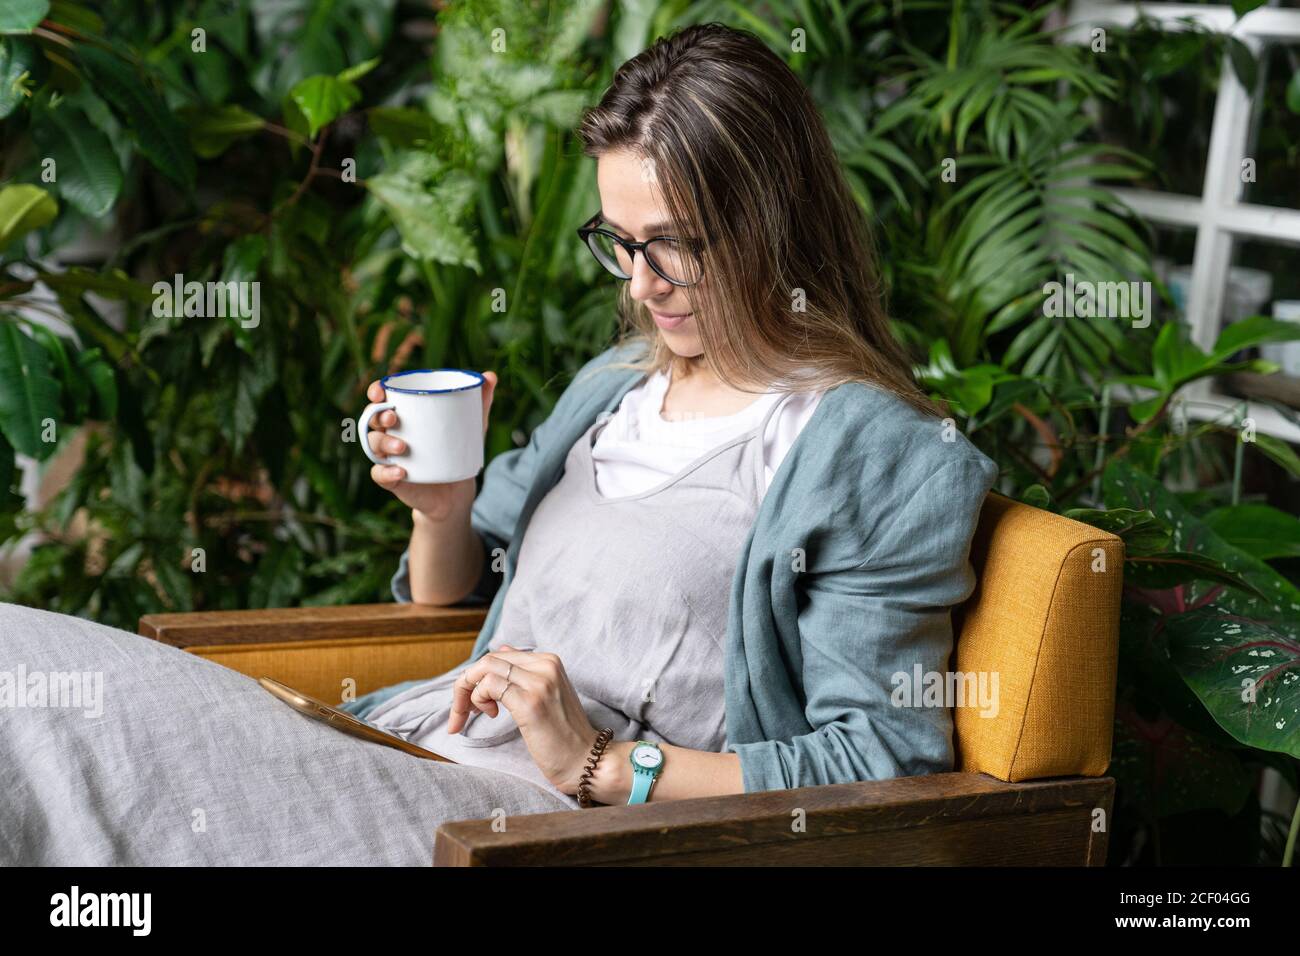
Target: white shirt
(639, 449)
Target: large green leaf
(1247, 673)
(158, 132)
(29, 393)
(1172, 568)
(1125, 486)
(1143, 532)
(1258, 529)
(24, 207)
(87, 174)
(22, 16)
(1176, 360)
(323, 99)
(1255, 330)
(426, 203)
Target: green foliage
(400, 204)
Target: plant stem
(1238, 454)
(1100, 458)
(1119, 452)
(311, 173)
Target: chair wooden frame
(940, 819)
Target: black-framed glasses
(672, 258)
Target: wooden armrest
(327, 651)
(940, 819)
(273, 625)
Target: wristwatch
(647, 760)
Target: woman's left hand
(536, 691)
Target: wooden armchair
(1029, 789)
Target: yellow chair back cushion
(1043, 620)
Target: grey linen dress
(631, 593)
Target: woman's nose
(646, 283)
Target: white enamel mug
(439, 416)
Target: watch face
(647, 757)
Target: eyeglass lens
(668, 256)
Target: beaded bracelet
(584, 784)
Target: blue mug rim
(430, 391)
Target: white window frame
(1218, 214)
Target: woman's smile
(668, 320)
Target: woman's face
(629, 201)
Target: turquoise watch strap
(641, 781)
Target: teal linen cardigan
(847, 578)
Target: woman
(747, 508)
(734, 535)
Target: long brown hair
(742, 159)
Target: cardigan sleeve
(865, 630)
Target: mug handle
(363, 429)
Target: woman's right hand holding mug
(436, 502)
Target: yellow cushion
(320, 667)
(1045, 619)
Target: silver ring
(508, 670)
(503, 693)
